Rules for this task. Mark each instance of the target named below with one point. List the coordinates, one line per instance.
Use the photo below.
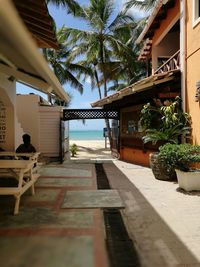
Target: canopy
(20, 57)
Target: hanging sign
(2, 123)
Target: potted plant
(181, 158)
(165, 122)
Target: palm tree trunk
(97, 81)
(105, 92)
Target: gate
(82, 114)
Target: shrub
(180, 156)
(73, 149)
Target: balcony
(173, 63)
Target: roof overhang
(20, 57)
(37, 19)
(151, 19)
(137, 87)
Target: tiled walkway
(162, 220)
(44, 234)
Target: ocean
(86, 135)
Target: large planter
(159, 168)
(190, 180)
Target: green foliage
(107, 46)
(164, 121)
(64, 68)
(179, 156)
(143, 5)
(73, 149)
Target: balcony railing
(173, 63)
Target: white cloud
(88, 80)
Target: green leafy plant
(164, 121)
(179, 156)
(73, 149)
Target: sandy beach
(91, 149)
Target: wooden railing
(173, 63)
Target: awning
(139, 86)
(19, 54)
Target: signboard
(2, 123)
(105, 132)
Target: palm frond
(142, 5)
(71, 6)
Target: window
(196, 12)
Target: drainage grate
(114, 223)
(102, 180)
(120, 247)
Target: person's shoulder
(32, 148)
(19, 148)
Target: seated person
(1, 150)
(26, 147)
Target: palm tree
(126, 69)
(100, 44)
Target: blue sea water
(86, 135)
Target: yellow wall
(192, 70)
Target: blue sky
(78, 101)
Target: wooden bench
(23, 171)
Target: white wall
(41, 122)
(50, 130)
(28, 116)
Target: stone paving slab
(65, 172)
(77, 165)
(58, 182)
(92, 199)
(44, 217)
(45, 251)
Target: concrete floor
(162, 220)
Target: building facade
(171, 44)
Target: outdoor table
(32, 156)
(22, 170)
(14, 155)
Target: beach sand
(91, 149)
